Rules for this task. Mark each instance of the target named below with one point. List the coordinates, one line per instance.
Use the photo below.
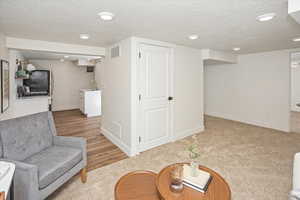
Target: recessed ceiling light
(106, 16)
(296, 39)
(84, 36)
(236, 49)
(66, 56)
(266, 17)
(193, 37)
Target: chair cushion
(54, 162)
(22, 137)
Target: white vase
(194, 168)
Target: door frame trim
(135, 84)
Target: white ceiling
(39, 55)
(220, 24)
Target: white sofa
(295, 193)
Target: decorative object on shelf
(30, 67)
(194, 155)
(4, 85)
(19, 64)
(21, 73)
(176, 175)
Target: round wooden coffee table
(218, 189)
(138, 185)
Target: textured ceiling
(220, 24)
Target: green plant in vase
(194, 154)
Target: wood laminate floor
(100, 150)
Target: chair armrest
(296, 172)
(26, 184)
(75, 142)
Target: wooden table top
(138, 185)
(2, 196)
(218, 189)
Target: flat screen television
(38, 82)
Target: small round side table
(138, 185)
(218, 189)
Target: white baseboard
(188, 132)
(126, 149)
(264, 124)
(116, 141)
(65, 108)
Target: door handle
(170, 98)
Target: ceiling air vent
(115, 52)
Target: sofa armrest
(296, 172)
(26, 185)
(75, 142)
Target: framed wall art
(4, 73)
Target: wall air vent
(115, 51)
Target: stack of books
(4, 168)
(199, 182)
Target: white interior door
(155, 87)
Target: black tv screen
(38, 81)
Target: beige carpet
(256, 162)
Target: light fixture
(84, 36)
(265, 17)
(236, 49)
(66, 56)
(296, 39)
(193, 37)
(106, 16)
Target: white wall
(21, 107)
(68, 79)
(56, 47)
(3, 49)
(295, 82)
(254, 91)
(99, 68)
(221, 57)
(118, 80)
(188, 91)
(11, 112)
(116, 100)
(3, 55)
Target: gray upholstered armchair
(44, 161)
